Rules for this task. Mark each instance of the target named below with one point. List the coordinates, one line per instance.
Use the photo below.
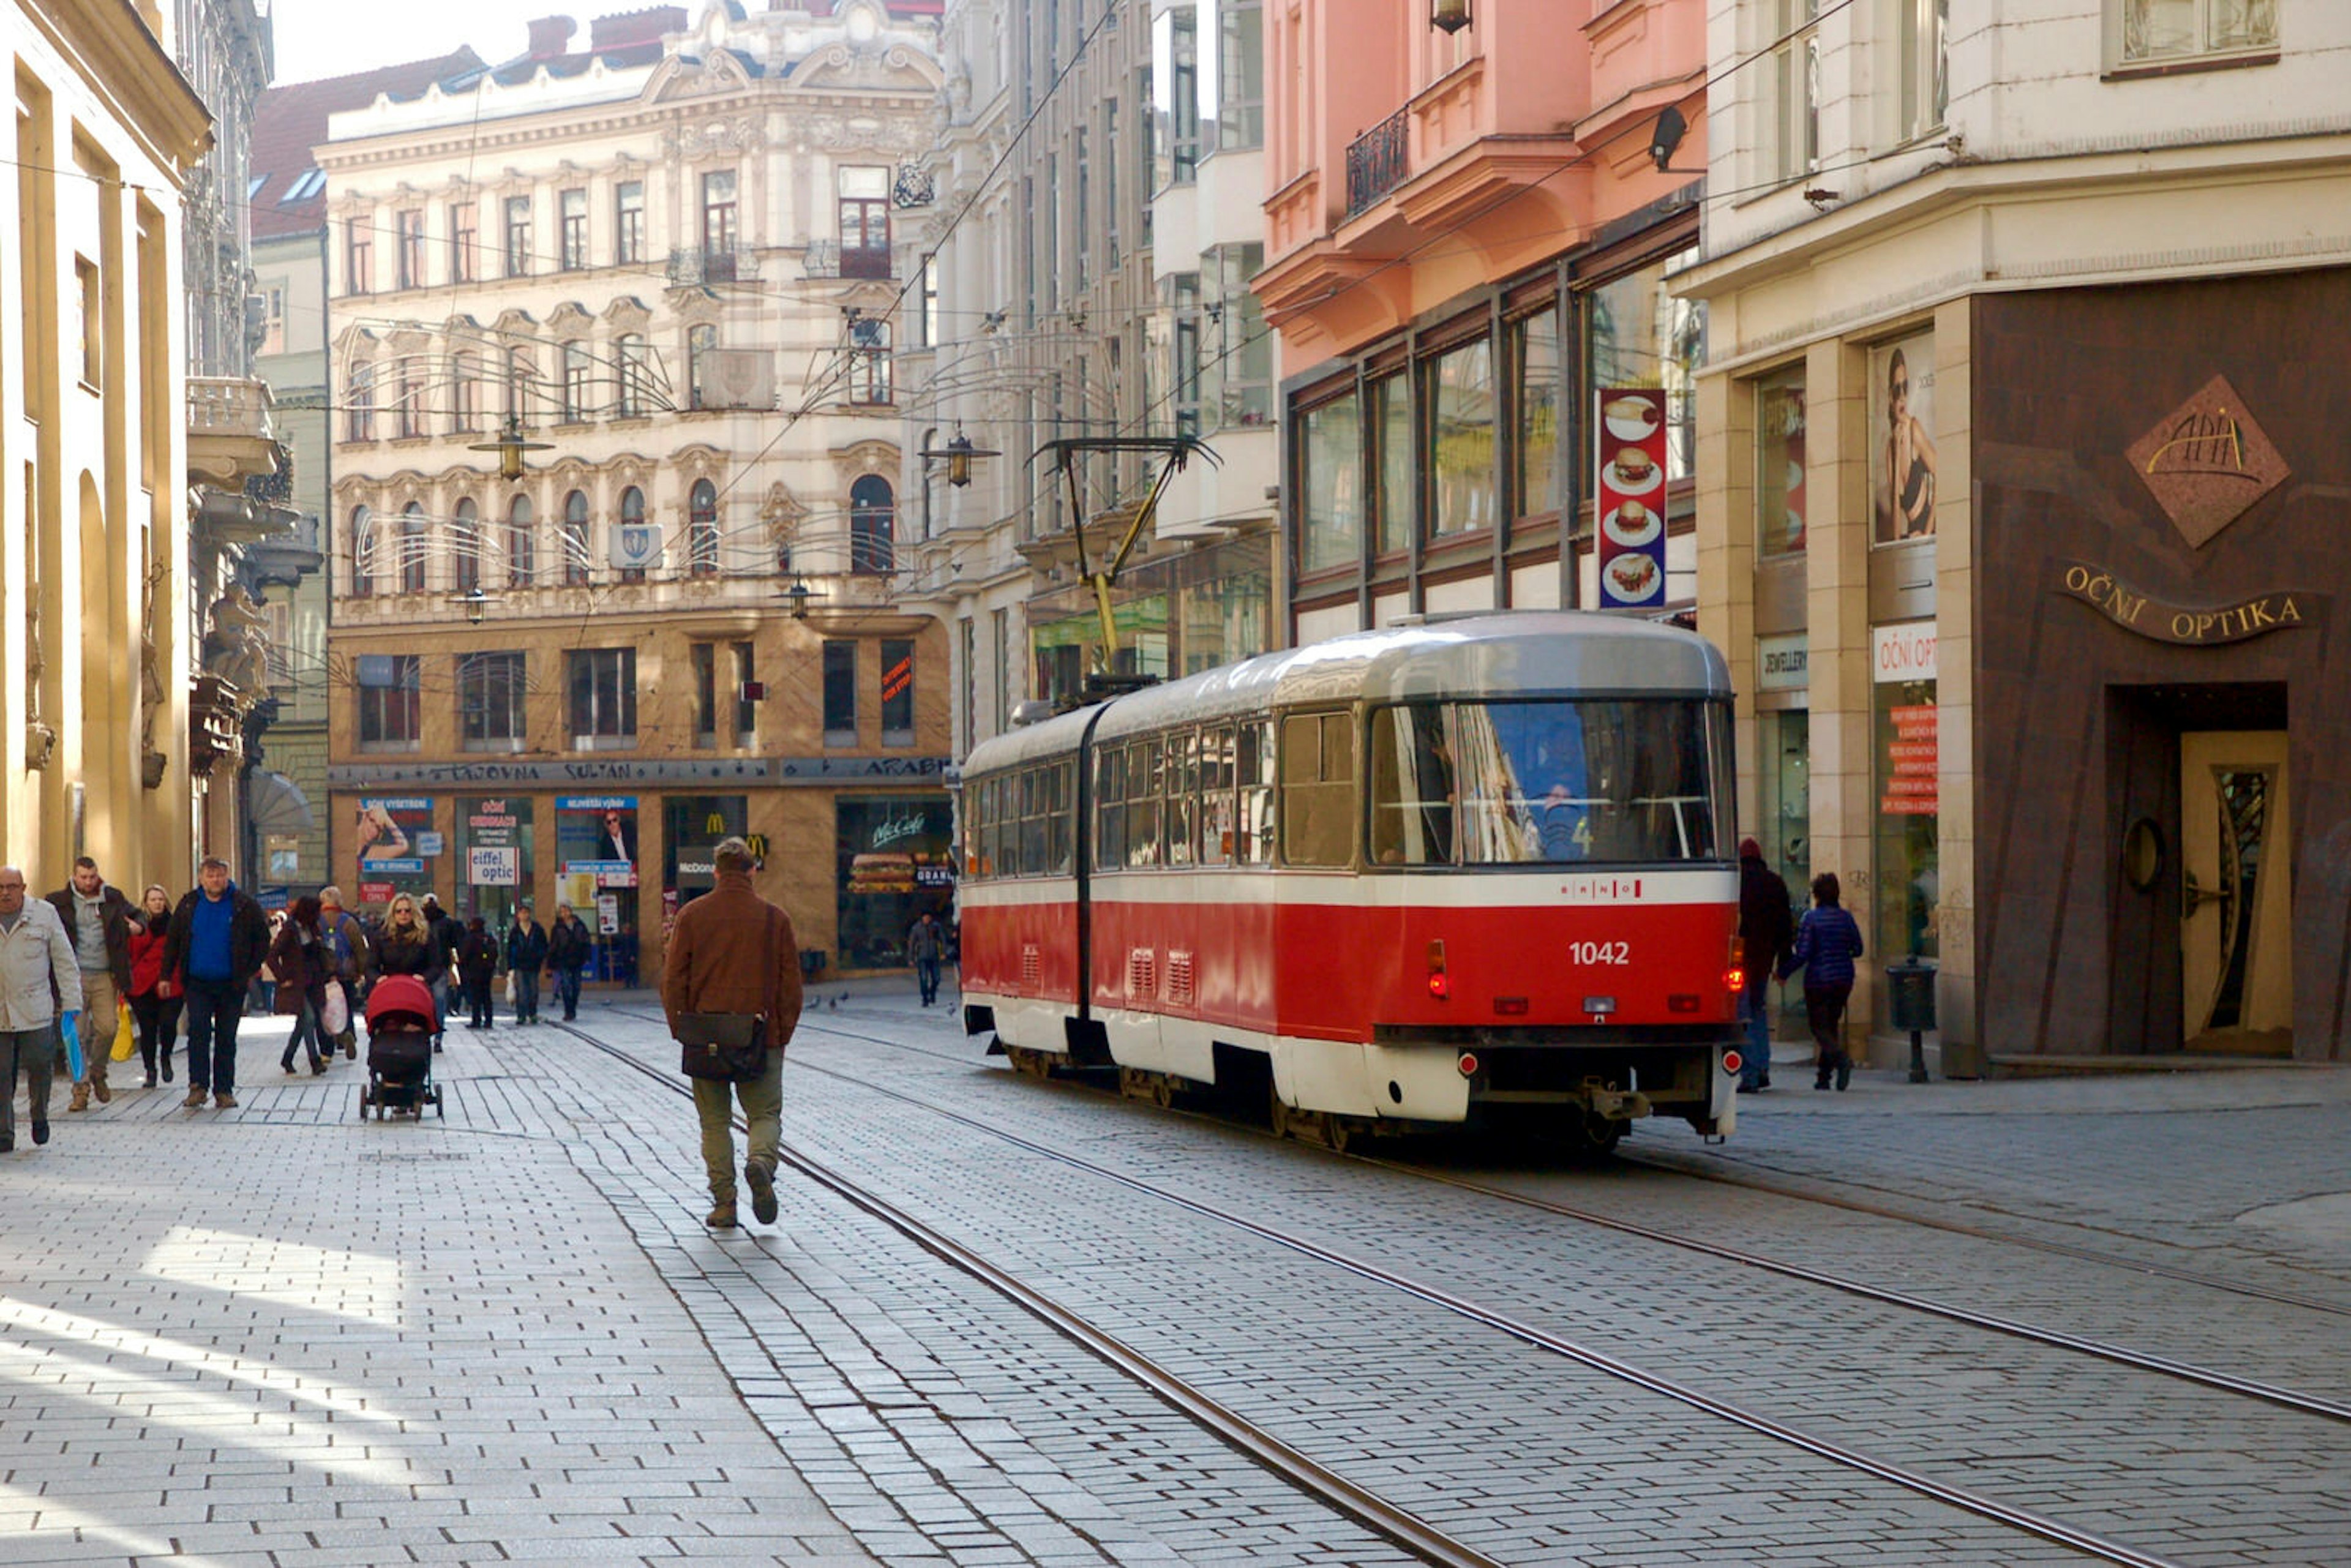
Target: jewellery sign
(1630, 497)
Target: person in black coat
(1767, 931)
(477, 967)
(567, 954)
(525, 956)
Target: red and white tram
(1428, 874)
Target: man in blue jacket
(218, 939)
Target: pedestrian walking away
(99, 919)
(38, 968)
(1766, 934)
(446, 930)
(1827, 942)
(302, 959)
(156, 993)
(343, 934)
(733, 954)
(926, 943)
(478, 967)
(218, 939)
(567, 954)
(527, 948)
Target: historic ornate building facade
(668, 261)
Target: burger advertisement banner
(1630, 495)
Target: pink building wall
(1521, 137)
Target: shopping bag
(67, 1027)
(510, 987)
(126, 1033)
(338, 1015)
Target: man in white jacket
(36, 971)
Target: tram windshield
(1615, 780)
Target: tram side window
(1032, 822)
(1412, 787)
(1110, 808)
(1253, 763)
(1318, 789)
(1143, 770)
(1004, 828)
(983, 828)
(1058, 798)
(1217, 796)
(967, 823)
(1183, 790)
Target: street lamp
(476, 603)
(957, 455)
(1448, 15)
(798, 596)
(510, 446)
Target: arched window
(632, 512)
(702, 528)
(575, 539)
(636, 375)
(872, 523)
(522, 559)
(415, 548)
(363, 553)
(465, 547)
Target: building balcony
(232, 430)
(690, 269)
(1377, 161)
(826, 258)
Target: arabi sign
(1904, 652)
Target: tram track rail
(1399, 1526)
(1396, 1525)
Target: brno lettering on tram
(1480, 870)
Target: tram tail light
(1734, 971)
(1439, 986)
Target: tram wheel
(1029, 1063)
(1343, 1133)
(1278, 1113)
(1133, 1083)
(1594, 1137)
(1162, 1092)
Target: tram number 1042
(1600, 952)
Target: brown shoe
(195, 1096)
(763, 1193)
(105, 1095)
(224, 1101)
(721, 1216)
(80, 1098)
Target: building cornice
(126, 67)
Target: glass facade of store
(1432, 442)
(495, 844)
(1176, 616)
(894, 860)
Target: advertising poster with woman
(397, 846)
(1901, 462)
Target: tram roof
(1555, 653)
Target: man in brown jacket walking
(731, 951)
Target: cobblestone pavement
(277, 1335)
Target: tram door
(2236, 904)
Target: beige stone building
(667, 259)
(96, 617)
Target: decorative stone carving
(236, 649)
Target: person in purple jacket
(1828, 942)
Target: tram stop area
(287, 1335)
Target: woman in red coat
(155, 996)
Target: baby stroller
(400, 1049)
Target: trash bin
(1910, 995)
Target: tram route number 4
(1600, 952)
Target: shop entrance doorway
(2236, 898)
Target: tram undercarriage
(1588, 1087)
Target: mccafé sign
(2194, 625)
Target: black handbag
(725, 1048)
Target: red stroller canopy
(400, 1001)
